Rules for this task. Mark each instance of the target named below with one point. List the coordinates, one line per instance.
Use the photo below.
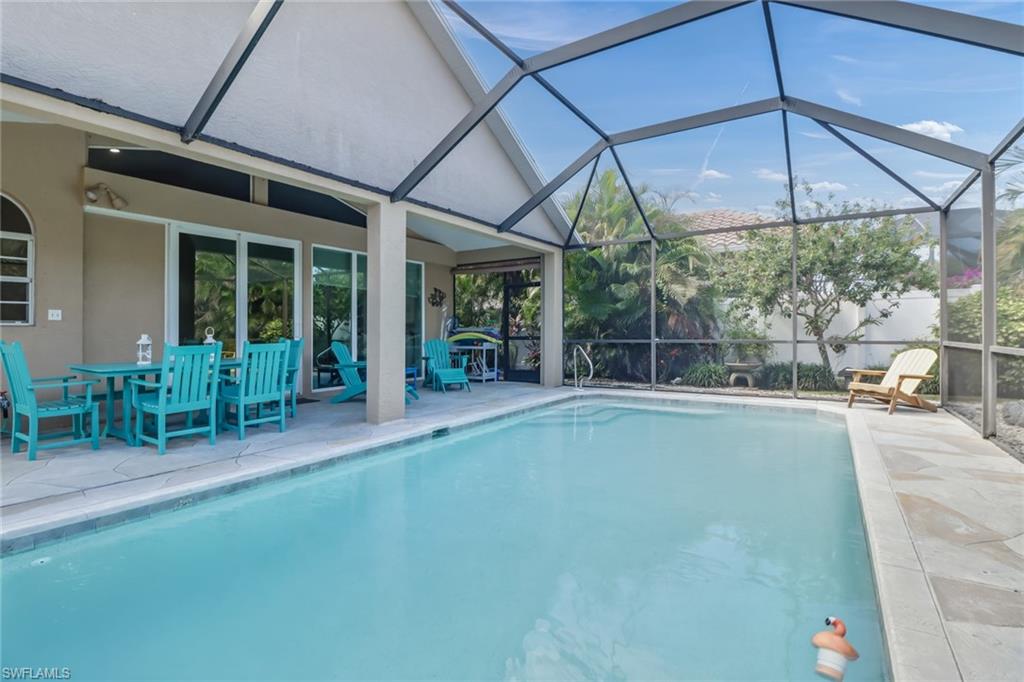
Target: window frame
(30, 259)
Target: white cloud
(816, 136)
(828, 186)
(712, 174)
(944, 188)
(940, 131)
(848, 97)
(845, 59)
(768, 174)
(666, 171)
(713, 197)
(931, 175)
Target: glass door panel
(522, 330)
(207, 286)
(413, 315)
(332, 311)
(270, 295)
(360, 307)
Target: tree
(844, 262)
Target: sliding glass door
(240, 286)
(271, 292)
(340, 306)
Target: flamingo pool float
(834, 652)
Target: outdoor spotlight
(115, 150)
(94, 192)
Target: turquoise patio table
(112, 371)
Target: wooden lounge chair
(899, 382)
(440, 372)
(355, 386)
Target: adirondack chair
(899, 382)
(355, 386)
(440, 372)
(260, 381)
(25, 402)
(292, 372)
(188, 384)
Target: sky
(959, 93)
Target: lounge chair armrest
(61, 384)
(920, 377)
(351, 365)
(144, 384)
(868, 373)
(229, 377)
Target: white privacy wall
(356, 89)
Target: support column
(988, 301)
(385, 315)
(551, 356)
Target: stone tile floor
(951, 506)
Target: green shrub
(706, 375)
(815, 377)
(776, 376)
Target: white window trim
(30, 278)
(354, 254)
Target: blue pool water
(594, 540)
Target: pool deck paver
(943, 509)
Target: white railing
(577, 381)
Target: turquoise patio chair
(349, 372)
(188, 384)
(292, 372)
(260, 381)
(25, 402)
(355, 386)
(440, 372)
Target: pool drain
(41, 561)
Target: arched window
(17, 264)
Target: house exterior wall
(106, 272)
(40, 168)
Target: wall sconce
(94, 193)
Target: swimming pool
(590, 539)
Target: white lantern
(209, 340)
(145, 352)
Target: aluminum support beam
(878, 164)
(244, 44)
(549, 189)
(789, 167)
(943, 313)
(678, 125)
(959, 191)
(889, 133)
(632, 192)
(963, 28)
(630, 31)
(500, 45)
(463, 128)
(988, 301)
(583, 203)
(1007, 141)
